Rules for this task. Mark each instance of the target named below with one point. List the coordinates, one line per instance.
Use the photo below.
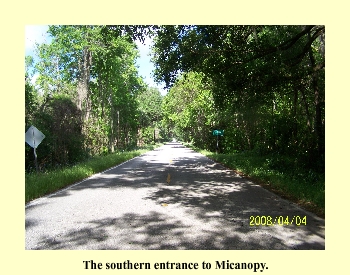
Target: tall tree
(96, 72)
(263, 75)
(150, 114)
(189, 110)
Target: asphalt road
(169, 198)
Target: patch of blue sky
(38, 34)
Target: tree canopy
(264, 85)
(85, 99)
(267, 80)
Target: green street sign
(218, 132)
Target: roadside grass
(280, 175)
(38, 185)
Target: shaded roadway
(168, 198)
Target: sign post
(218, 133)
(34, 137)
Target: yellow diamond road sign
(34, 137)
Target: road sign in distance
(218, 132)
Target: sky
(37, 34)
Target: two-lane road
(169, 198)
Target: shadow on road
(204, 206)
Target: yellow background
(16, 14)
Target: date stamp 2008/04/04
(278, 220)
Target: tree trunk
(295, 108)
(317, 102)
(308, 117)
(83, 83)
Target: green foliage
(60, 121)
(189, 111)
(87, 101)
(150, 114)
(31, 102)
(264, 85)
(149, 106)
(266, 81)
(146, 135)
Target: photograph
(175, 137)
(167, 137)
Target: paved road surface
(169, 198)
